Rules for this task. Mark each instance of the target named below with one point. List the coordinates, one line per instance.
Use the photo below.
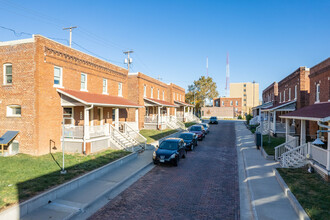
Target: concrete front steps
(81, 197)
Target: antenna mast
(227, 76)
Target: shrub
(239, 117)
(248, 118)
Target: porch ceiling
(183, 103)
(286, 106)
(87, 98)
(157, 102)
(315, 112)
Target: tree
(202, 89)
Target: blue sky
(266, 40)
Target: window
(180, 97)
(295, 92)
(244, 90)
(244, 85)
(120, 89)
(157, 93)
(7, 74)
(244, 94)
(152, 92)
(13, 111)
(222, 103)
(244, 104)
(244, 100)
(280, 97)
(231, 103)
(289, 94)
(177, 96)
(163, 95)
(284, 96)
(58, 76)
(83, 82)
(105, 86)
(317, 98)
(113, 114)
(236, 103)
(68, 116)
(145, 91)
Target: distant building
(235, 103)
(248, 92)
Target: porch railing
(318, 154)
(295, 157)
(154, 119)
(135, 134)
(74, 132)
(285, 147)
(77, 132)
(98, 130)
(117, 136)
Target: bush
(239, 117)
(248, 118)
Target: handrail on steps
(140, 135)
(112, 130)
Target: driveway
(204, 185)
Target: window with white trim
(163, 95)
(231, 103)
(151, 92)
(105, 86)
(284, 96)
(317, 93)
(83, 82)
(120, 89)
(180, 98)
(58, 76)
(68, 115)
(157, 93)
(295, 92)
(236, 103)
(222, 103)
(145, 91)
(280, 97)
(289, 94)
(173, 96)
(7, 74)
(13, 111)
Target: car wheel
(155, 162)
(192, 147)
(176, 161)
(184, 154)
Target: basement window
(13, 111)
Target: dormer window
(7, 74)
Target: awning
(87, 98)
(159, 102)
(285, 106)
(315, 112)
(8, 137)
(183, 103)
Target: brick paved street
(203, 186)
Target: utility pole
(70, 28)
(128, 60)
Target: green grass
(23, 176)
(153, 135)
(312, 192)
(274, 142)
(188, 124)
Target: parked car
(198, 130)
(190, 139)
(213, 120)
(170, 151)
(206, 127)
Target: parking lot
(203, 185)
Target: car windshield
(169, 145)
(186, 136)
(214, 118)
(196, 128)
(204, 125)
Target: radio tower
(227, 76)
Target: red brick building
(235, 103)
(44, 82)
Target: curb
(265, 155)
(294, 202)
(110, 194)
(28, 206)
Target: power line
(17, 34)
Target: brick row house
(235, 103)
(302, 107)
(57, 96)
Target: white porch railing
(74, 132)
(318, 154)
(154, 119)
(285, 147)
(133, 133)
(118, 137)
(265, 129)
(295, 157)
(98, 130)
(77, 132)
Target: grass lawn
(274, 142)
(188, 124)
(312, 192)
(23, 176)
(154, 135)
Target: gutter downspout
(84, 139)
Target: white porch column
(274, 122)
(158, 116)
(328, 150)
(302, 132)
(268, 121)
(168, 111)
(117, 118)
(175, 112)
(287, 129)
(137, 118)
(86, 123)
(101, 116)
(184, 113)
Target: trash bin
(258, 139)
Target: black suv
(213, 120)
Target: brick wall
(270, 93)
(226, 102)
(320, 74)
(220, 112)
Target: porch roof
(88, 98)
(315, 112)
(281, 106)
(264, 105)
(160, 102)
(182, 103)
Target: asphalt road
(203, 186)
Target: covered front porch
(313, 145)
(91, 122)
(184, 112)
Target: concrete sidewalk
(83, 201)
(261, 196)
